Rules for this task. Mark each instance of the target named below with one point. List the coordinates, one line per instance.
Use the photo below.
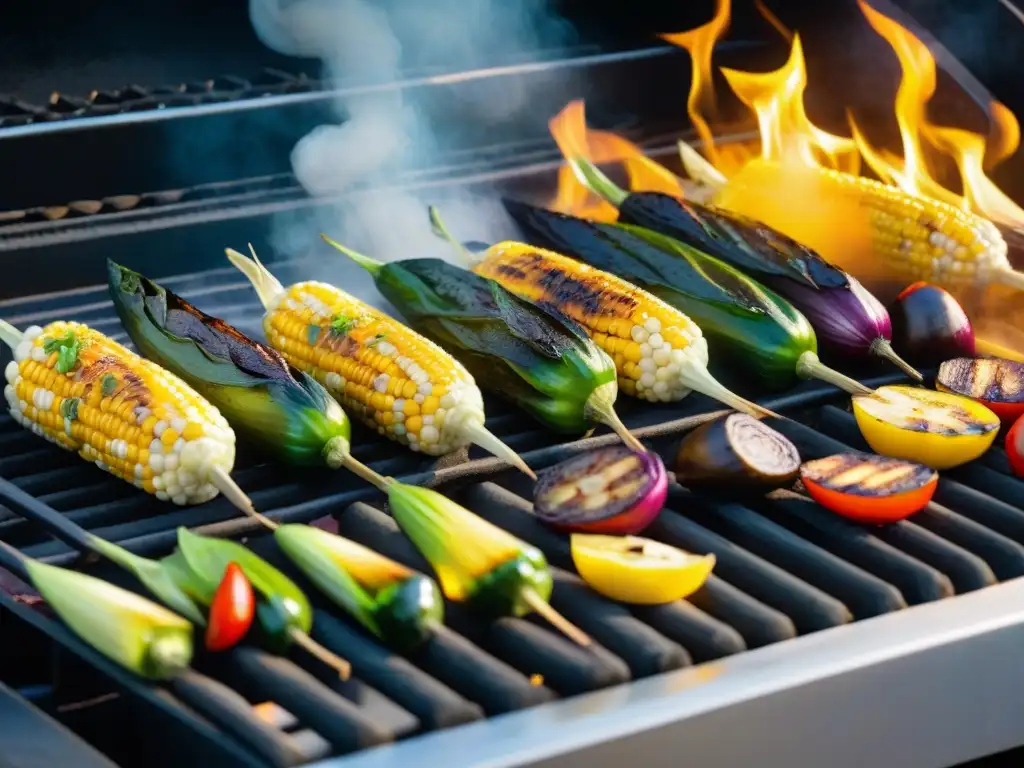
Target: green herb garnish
(342, 324)
(67, 350)
(69, 408)
(108, 384)
(377, 339)
(312, 332)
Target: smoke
(385, 132)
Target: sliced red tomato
(1015, 447)
(869, 488)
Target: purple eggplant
(929, 326)
(848, 319)
(736, 454)
(615, 491)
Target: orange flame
(972, 153)
(917, 84)
(787, 134)
(574, 139)
(701, 102)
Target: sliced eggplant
(738, 453)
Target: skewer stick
(233, 493)
(318, 652)
(557, 620)
(1011, 278)
(10, 335)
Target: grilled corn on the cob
(659, 353)
(396, 381)
(912, 238)
(73, 386)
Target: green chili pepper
(747, 325)
(531, 354)
(281, 409)
(476, 561)
(395, 603)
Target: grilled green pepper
(531, 354)
(279, 408)
(746, 324)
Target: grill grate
(137, 98)
(784, 567)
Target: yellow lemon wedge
(632, 569)
(938, 429)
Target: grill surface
(785, 567)
(789, 575)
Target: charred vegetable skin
(75, 387)
(610, 490)
(938, 429)
(848, 320)
(746, 324)
(736, 453)
(539, 359)
(996, 384)
(869, 488)
(275, 406)
(660, 354)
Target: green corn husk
(282, 410)
(154, 577)
(476, 561)
(132, 631)
(283, 613)
(395, 603)
(530, 354)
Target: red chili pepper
(232, 610)
(1015, 447)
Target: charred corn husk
(912, 238)
(396, 381)
(73, 386)
(659, 353)
(274, 406)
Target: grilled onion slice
(609, 490)
(997, 384)
(938, 429)
(869, 488)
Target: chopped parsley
(312, 333)
(376, 339)
(108, 384)
(342, 324)
(67, 350)
(69, 408)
